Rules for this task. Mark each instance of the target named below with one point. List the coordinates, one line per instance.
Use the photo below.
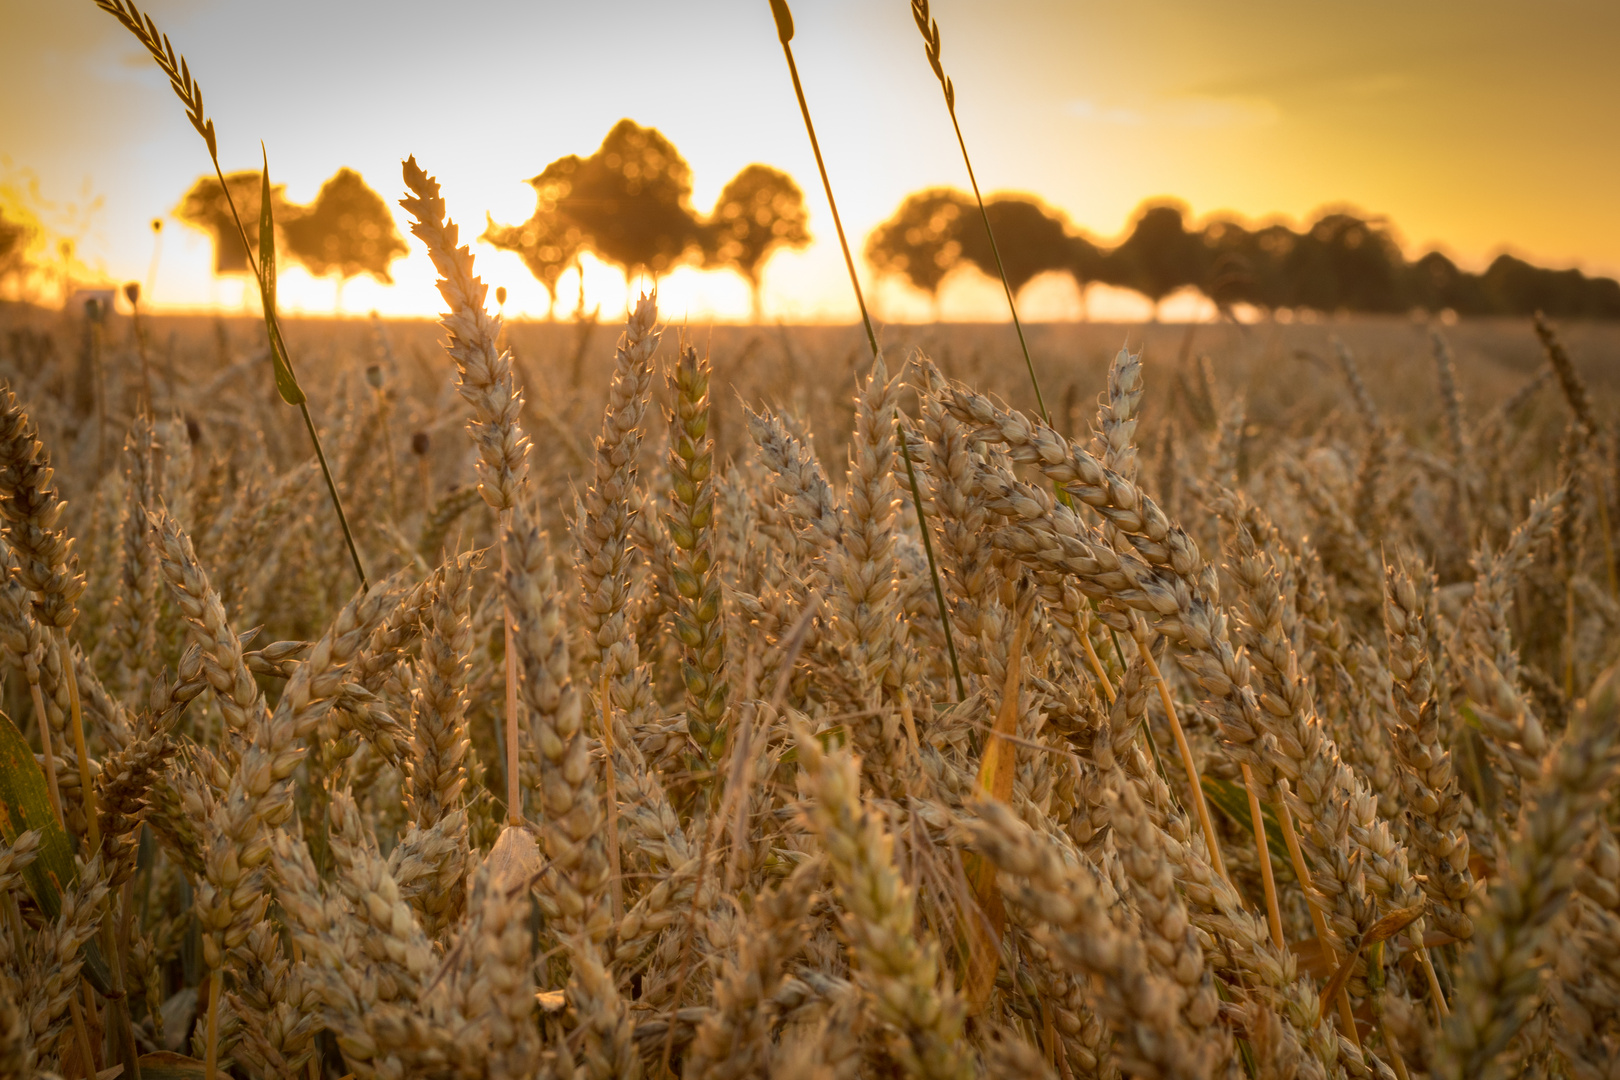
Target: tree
(1515, 287)
(16, 237)
(1435, 283)
(1231, 275)
(1084, 263)
(1031, 239)
(632, 199)
(204, 207)
(348, 230)
(1159, 256)
(1345, 262)
(922, 242)
(550, 241)
(760, 210)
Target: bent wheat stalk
(264, 271)
(784, 34)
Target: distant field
(1286, 372)
(1298, 520)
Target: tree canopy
(922, 242)
(760, 210)
(205, 207)
(1341, 261)
(1032, 239)
(632, 198)
(549, 242)
(630, 203)
(348, 230)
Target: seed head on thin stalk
(231, 895)
(1427, 773)
(31, 509)
(784, 34)
(929, 27)
(1079, 925)
(567, 783)
(438, 722)
(190, 94)
(602, 529)
(485, 380)
(1501, 977)
(897, 966)
(44, 565)
(698, 621)
(484, 373)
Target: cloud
(1193, 111)
(1090, 110)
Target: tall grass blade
(784, 34)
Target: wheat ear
(485, 379)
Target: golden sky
(1475, 126)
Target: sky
(1475, 127)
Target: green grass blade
(1233, 801)
(25, 804)
(286, 382)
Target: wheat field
(802, 702)
(1352, 582)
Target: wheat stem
(211, 1058)
(930, 33)
(45, 740)
(87, 1061)
(1273, 913)
(1098, 670)
(609, 773)
(514, 790)
(1434, 983)
(87, 790)
(784, 33)
(1323, 935)
(1200, 803)
(190, 95)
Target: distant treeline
(1340, 262)
(630, 204)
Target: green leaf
(1233, 801)
(286, 382)
(25, 804)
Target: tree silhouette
(1159, 256)
(632, 199)
(1515, 287)
(1435, 283)
(15, 239)
(348, 230)
(760, 210)
(1345, 262)
(204, 207)
(1232, 274)
(550, 241)
(1085, 265)
(1031, 238)
(922, 242)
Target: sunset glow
(1470, 127)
